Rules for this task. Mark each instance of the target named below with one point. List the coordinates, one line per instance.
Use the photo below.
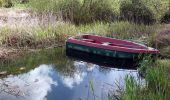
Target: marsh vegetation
(31, 25)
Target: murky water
(58, 77)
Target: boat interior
(110, 42)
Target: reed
(37, 37)
(156, 84)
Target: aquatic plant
(155, 87)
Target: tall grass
(83, 11)
(37, 37)
(145, 34)
(156, 84)
(77, 11)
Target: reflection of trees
(104, 70)
(29, 61)
(34, 59)
(66, 68)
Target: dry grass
(25, 28)
(163, 40)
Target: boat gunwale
(115, 48)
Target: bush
(24, 1)
(77, 11)
(6, 3)
(127, 30)
(166, 17)
(0, 3)
(69, 9)
(136, 11)
(163, 41)
(96, 10)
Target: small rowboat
(110, 47)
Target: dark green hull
(102, 52)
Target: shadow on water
(51, 75)
(102, 60)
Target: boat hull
(102, 52)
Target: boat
(109, 47)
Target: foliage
(136, 11)
(77, 11)
(156, 84)
(36, 37)
(163, 41)
(158, 7)
(166, 17)
(6, 3)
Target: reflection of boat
(102, 60)
(108, 47)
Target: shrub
(96, 10)
(127, 30)
(77, 11)
(24, 1)
(6, 3)
(69, 9)
(136, 11)
(166, 17)
(0, 3)
(163, 37)
(163, 41)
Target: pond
(51, 75)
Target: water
(58, 77)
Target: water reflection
(103, 60)
(75, 79)
(33, 85)
(46, 82)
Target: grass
(155, 87)
(61, 31)
(82, 11)
(37, 37)
(76, 11)
(51, 35)
(80, 16)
